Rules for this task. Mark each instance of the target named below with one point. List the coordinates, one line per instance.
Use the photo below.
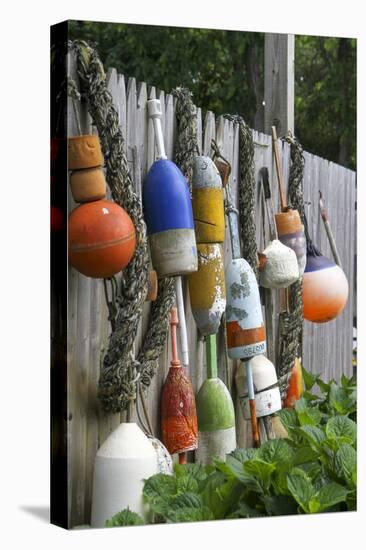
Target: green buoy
(215, 412)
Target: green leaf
(234, 464)
(310, 396)
(261, 471)
(242, 455)
(328, 496)
(307, 415)
(246, 511)
(309, 378)
(276, 451)
(323, 385)
(304, 455)
(221, 494)
(196, 471)
(342, 426)
(289, 419)
(345, 464)
(314, 435)
(159, 486)
(190, 514)
(187, 484)
(158, 491)
(340, 400)
(125, 517)
(186, 500)
(301, 488)
(281, 505)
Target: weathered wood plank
(279, 82)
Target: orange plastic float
(296, 386)
(102, 239)
(325, 288)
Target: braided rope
(291, 323)
(117, 378)
(186, 144)
(247, 186)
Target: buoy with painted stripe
(168, 211)
(102, 238)
(267, 392)
(288, 222)
(215, 411)
(207, 201)
(207, 288)
(245, 330)
(178, 406)
(244, 320)
(325, 288)
(122, 463)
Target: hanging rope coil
(122, 375)
(291, 323)
(247, 187)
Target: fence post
(279, 82)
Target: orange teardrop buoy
(102, 239)
(325, 288)
(296, 387)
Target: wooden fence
(327, 347)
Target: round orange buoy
(102, 239)
(325, 289)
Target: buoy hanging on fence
(280, 268)
(215, 411)
(288, 222)
(84, 152)
(85, 159)
(168, 211)
(102, 239)
(122, 463)
(207, 288)
(88, 185)
(295, 388)
(178, 407)
(267, 392)
(325, 288)
(244, 320)
(207, 201)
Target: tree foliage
(224, 70)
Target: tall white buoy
(125, 459)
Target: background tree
(224, 70)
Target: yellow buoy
(207, 201)
(207, 288)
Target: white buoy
(281, 268)
(125, 459)
(267, 392)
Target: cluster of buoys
(186, 239)
(102, 236)
(207, 291)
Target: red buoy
(102, 239)
(178, 406)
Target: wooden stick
(328, 230)
(182, 458)
(281, 183)
(252, 405)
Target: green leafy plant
(313, 470)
